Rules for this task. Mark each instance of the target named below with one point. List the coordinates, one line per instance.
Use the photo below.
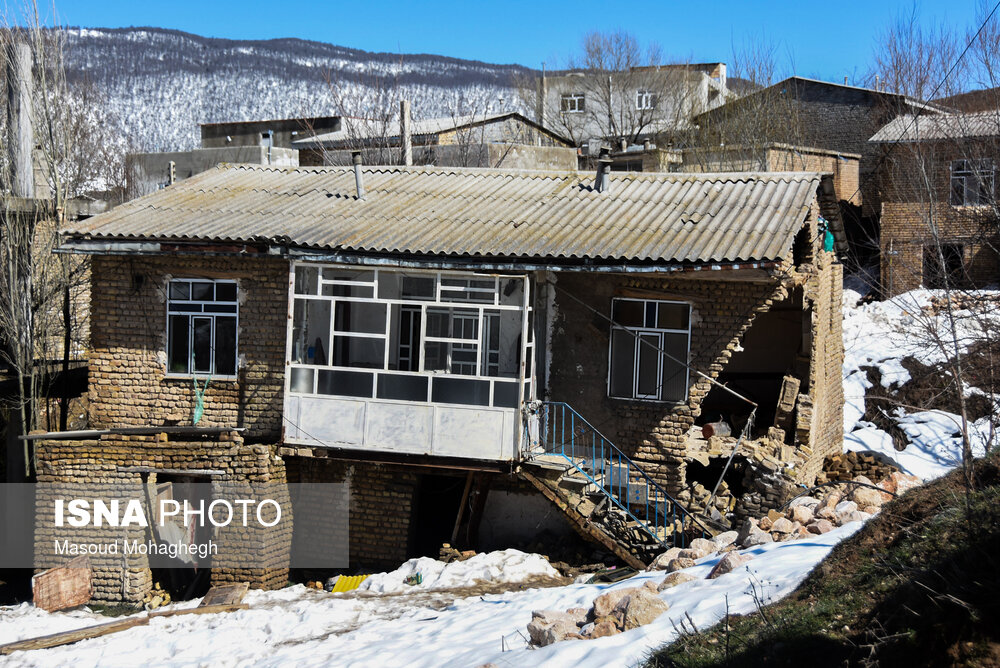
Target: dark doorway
(437, 501)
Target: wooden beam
(461, 507)
(583, 525)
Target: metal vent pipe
(359, 180)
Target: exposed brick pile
(848, 465)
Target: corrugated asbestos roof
(679, 218)
(909, 128)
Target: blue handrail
(563, 431)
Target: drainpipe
(358, 178)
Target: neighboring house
(835, 117)
(939, 213)
(267, 142)
(593, 108)
(506, 140)
(497, 327)
(276, 133)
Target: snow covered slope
(162, 83)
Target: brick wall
(654, 434)
(108, 460)
(382, 504)
(916, 186)
(128, 383)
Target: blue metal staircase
(630, 502)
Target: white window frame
(638, 333)
(645, 99)
(572, 103)
(467, 298)
(204, 313)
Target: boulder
(809, 502)
(801, 514)
(639, 608)
(725, 538)
(830, 500)
(551, 626)
(904, 481)
(866, 496)
(728, 548)
(827, 514)
(821, 526)
(729, 563)
(675, 579)
(703, 544)
(694, 554)
(853, 516)
(872, 510)
(604, 628)
(679, 564)
(765, 523)
(749, 526)
(652, 586)
(606, 602)
(660, 563)
(758, 538)
(783, 525)
(774, 515)
(845, 507)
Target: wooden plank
(86, 633)
(229, 594)
(63, 587)
(69, 637)
(202, 610)
(461, 507)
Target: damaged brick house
(422, 332)
(938, 188)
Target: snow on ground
(302, 627)
(881, 335)
(500, 566)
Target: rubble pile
(612, 612)
(157, 597)
(848, 465)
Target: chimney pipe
(21, 177)
(404, 132)
(358, 179)
(603, 170)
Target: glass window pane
(225, 292)
(674, 379)
(180, 290)
(505, 395)
(225, 346)
(311, 331)
(360, 317)
(461, 391)
(356, 275)
(648, 366)
(436, 356)
(306, 280)
(177, 344)
(204, 292)
(673, 316)
(418, 287)
(345, 383)
(359, 352)
(185, 307)
(302, 380)
(628, 313)
(338, 290)
(202, 338)
(405, 388)
(622, 363)
(511, 291)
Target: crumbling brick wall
(654, 434)
(381, 510)
(113, 459)
(128, 383)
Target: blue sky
(819, 39)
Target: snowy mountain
(162, 83)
